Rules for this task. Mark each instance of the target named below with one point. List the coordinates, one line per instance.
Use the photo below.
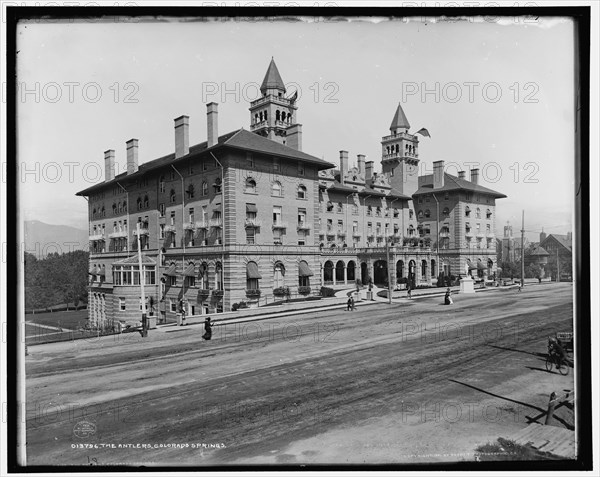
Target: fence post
(551, 405)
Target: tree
(533, 270)
(510, 269)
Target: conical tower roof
(272, 79)
(399, 120)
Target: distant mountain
(41, 239)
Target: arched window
(351, 270)
(114, 207)
(446, 212)
(427, 213)
(203, 275)
(423, 268)
(139, 203)
(467, 211)
(478, 213)
(94, 212)
(218, 276)
(399, 269)
(411, 213)
(125, 206)
(329, 206)
(369, 210)
(276, 189)
(278, 275)
(488, 214)
(204, 188)
(120, 206)
(172, 196)
(103, 211)
(146, 202)
(250, 185)
(420, 214)
(161, 184)
(433, 269)
(301, 192)
(252, 276)
(190, 191)
(217, 185)
(277, 115)
(304, 274)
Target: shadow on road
(542, 412)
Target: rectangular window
(250, 235)
(191, 215)
(161, 210)
(355, 209)
(277, 215)
(250, 160)
(172, 305)
(277, 237)
(302, 217)
(275, 165)
(161, 231)
(329, 225)
(302, 237)
(173, 218)
(191, 281)
(340, 225)
(300, 169)
(122, 305)
(173, 281)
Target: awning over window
(304, 270)
(472, 266)
(251, 208)
(93, 271)
(102, 272)
(481, 266)
(252, 271)
(170, 272)
(202, 270)
(189, 271)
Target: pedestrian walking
(519, 289)
(353, 304)
(448, 298)
(207, 329)
(349, 303)
(408, 292)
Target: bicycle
(553, 359)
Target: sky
(497, 95)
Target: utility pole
(389, 273)
(557, 267)
(523, 249)
(142, 283)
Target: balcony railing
(202, 225)
(480, 235)
(490, 234)
(356, 233)
(444, 234)
(468, 233)
(217, 223)
(96, 237)
(189, 226)
(400, 155)
(255, 223)
(170, 229)
(279, 225)
(143, 231)
(118, 234)
(341, 233)
(303, 226)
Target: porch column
(345, 274)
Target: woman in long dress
(448, 298)
(207, 329)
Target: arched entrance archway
(380, 272)
(328, 272)
(399, 270)
(339, 272)
(364, 273)
(411, 273)
(351, 270)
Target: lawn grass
(71, 320)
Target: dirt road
(411, 382)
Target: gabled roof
(239, 139)
(536, 251)
(133, 260)
(272, 79)
(399, 120)
(561, 239)
(453, 183)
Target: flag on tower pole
(423, 132)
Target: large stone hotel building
(248, 216)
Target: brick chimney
(294, 137)
(475, 176)
(132, 156)
(182, 136)
(461, 175)
(109, 165)
(368, 170)
(212, 123)
(343, 165)
(438, 174)
(360, 159)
